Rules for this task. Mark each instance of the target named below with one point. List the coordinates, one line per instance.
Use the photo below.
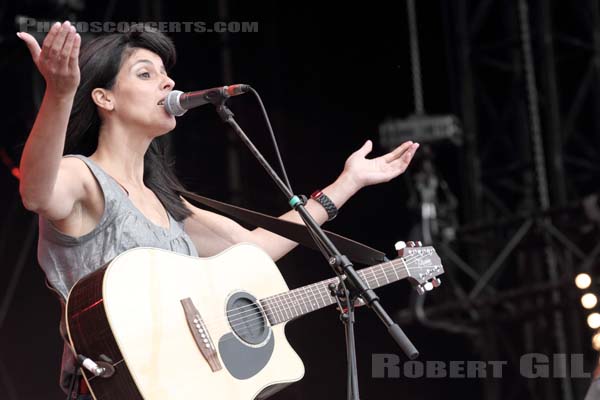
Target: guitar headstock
(422, 264)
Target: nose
(168, 83)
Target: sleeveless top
(65, 259)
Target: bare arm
(212, 233)
(47, 181)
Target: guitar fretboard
(295, 303)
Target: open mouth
(161, 102)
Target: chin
(167, 127)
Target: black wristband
(327, 204)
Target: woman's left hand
(364, 172)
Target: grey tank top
(65, 259)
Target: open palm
(364, 171)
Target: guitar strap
(354, 250)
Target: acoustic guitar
(172, 327)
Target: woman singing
(95, 169)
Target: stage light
(596, 341)
(593, 320)
(589, 300)
(583, 281)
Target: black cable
(318, 242)
(281, 165)
(266, 116)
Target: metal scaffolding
(529, 160)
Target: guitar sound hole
(246, 319)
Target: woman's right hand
(57, 59)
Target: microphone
(177, 102)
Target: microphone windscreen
(172, 104)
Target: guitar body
(129, 313)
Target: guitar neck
(283, 307)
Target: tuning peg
(428, 286)
(436, 282)
(410, 243)
(419, 243)
(420, 289)
(400, 246)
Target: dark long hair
(99, 62)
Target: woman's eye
(145, 74)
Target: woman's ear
(103, 99)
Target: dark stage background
(521, 77)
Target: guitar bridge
(200, 334)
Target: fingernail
(19, 35)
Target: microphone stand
(351, 286)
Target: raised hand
(363, 171)
(58, 58)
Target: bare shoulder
(77, 170)
(74, 181)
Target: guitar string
(259, 321)
(287, 311)
(290, 309)
(282, 308)
(377, 273)
(278, 305)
